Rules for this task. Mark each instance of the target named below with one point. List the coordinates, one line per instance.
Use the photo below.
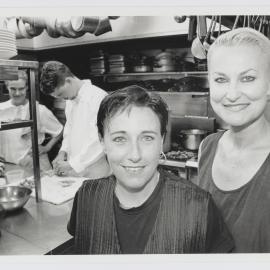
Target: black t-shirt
(134, 225)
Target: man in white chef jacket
(81, 153)
(16, 144)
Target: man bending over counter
(81, 153)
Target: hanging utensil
(260, 25)
(206, 42)
(244, 21)
(264, 26)
(248, 21)
(255, 21)
(201, 20)
(268, 29)
(212, 38)
(197, 48)
(219, 27)
(192, 28)
(235, 22)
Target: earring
(163, 156)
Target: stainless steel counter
(35, 229)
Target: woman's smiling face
(133, 143)
(239, 83)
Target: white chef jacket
(16, 143)
(81, 141)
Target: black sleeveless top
(187, 220)
(246, 210)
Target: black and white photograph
(139, 136)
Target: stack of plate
(7, 44)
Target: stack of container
(117, 63)
(98, 63)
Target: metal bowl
(14, 197)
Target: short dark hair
(22, 75)
(53, 74)
(127, 97)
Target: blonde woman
(234, 165)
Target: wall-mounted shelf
(121, 77)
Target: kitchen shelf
(191, 93)
(121, 77)
(9, 68)
(179, 164)
(172, 163)
(17, 124)
(9, 71)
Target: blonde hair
(242, 36)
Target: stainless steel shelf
(172, 163)
(9, 68)
(17, 124)
(120, 77)
(19, 63)
(9, 71)
(191, 93)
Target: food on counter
(28, 182)
(180, 155)
(67, 182)
(186, 84)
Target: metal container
(191, 138)
(14, 197)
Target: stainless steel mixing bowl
(14, 197)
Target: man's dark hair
(127, 97)
(53, 74)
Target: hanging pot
(50, 27)
(104, 26)
(64, 27)
(85, 24)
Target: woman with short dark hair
(139, 208)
